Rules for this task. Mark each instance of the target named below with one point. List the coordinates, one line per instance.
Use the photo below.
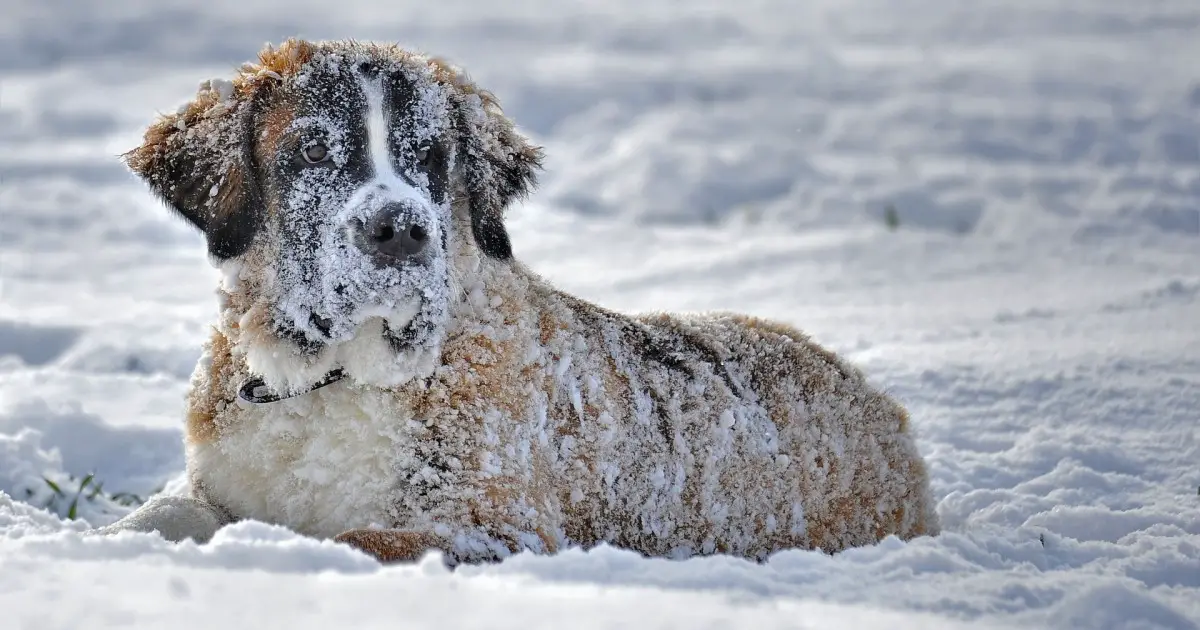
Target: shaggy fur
(525, 419)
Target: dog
(384, 372)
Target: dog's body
(482, 411)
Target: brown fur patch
(392, 545)
(273, 63)
(203, 402)
(230, 195)
(490, 372)
(200, 426)
(276, 121)
(791, 333)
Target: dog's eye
(316, 154)
(423, 154)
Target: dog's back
(724, 433)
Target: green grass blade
(53, 486)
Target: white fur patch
(387, 180)
(321, 463)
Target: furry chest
(319, 464)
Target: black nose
(394, 232)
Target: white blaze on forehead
(379, 146)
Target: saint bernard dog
(384, 372)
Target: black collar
(255, 389)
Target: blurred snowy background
(993, 207)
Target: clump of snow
(62, 441)
(265, 574)
(35, 475)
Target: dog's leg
(174, 518)
(393, 545)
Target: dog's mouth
(399, 340)
(400, 328)
(255, 390)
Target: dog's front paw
(174, 518)
(392, 545)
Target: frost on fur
(485, 412)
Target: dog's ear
(500, 166)
(200, 160)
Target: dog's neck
(493, 299)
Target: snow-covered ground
(1037, 308)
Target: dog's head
(339, 187)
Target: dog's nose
(395, 231)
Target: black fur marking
(197, 189)
(656, 349)
(663, 413)
(432, 458)
(517, 169)
(667, 346)
(176, 183)
(368, 69)
(437, 171)
(490, 234)
(671, 347)
(400, 98)
(300, 228)
(231, 233)
(674, 348)
(711, 356)
(328, 96)
(401, 340)
(494, 180)
(308, 347)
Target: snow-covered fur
(483, 412)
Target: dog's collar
(255, 390)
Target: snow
(1036, 309)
